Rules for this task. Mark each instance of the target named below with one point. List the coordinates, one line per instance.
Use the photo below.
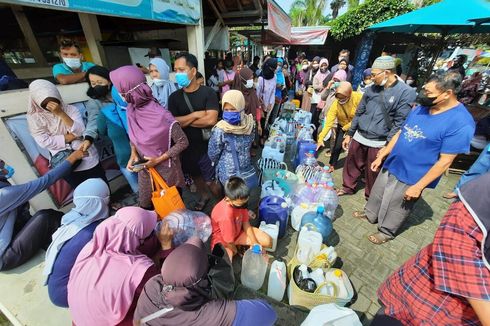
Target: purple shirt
(266, 90)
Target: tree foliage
(352, 4)
(336, 5)
(371, 12)
(308, 12)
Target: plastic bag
(185, 224)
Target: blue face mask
(182, 79)
(10, 172)
(232, 117)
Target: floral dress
(220, 153)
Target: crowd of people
(122, 269)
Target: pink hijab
(320, 76)
(109, 268)
(340, 75)
(150, 125)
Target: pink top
(266, 90)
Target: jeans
(131, 177)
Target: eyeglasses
(376, 75)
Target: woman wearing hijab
(22, 235)
(226, 77)
(91, 200)
(162, 87)
(234, 134)
(320, 76)
(343, 110)
(112, 269)
(181, 295)
(58, 127)
(266, 89)
(244, 82)
(154, 133)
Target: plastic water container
(273, 209)
(304, 147)
(273, 231)
(330, 253)
(277, 280)
(303, 117)
(272, 188)
(329, 198)
(319, 222)
(254, 268)
(287, 180)
(309, 158)
(298, 212)
(331, 314)
(325, 176)
(185, 224)
(319, 278)
(336, 277)
(304, 194)
(275, 149)
(309, 245)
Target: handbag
(206, 132)
(165, 199)
(220, 273)
(59, 157)
(250, 176)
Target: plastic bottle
(254, 268)
(273, 231)
(325, 176)
(277, 280)
(309, 245)
(272, 209)
(319, 278)
(318, 222)
(185, 224)
(329, 198)
(330, 253)
(310, 159)
(297, 214)
(336, 277)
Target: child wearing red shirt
(230, 220)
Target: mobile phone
(139, 165)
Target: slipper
(379, 238)
(360, 215)
(342, 192)
(449, 195)
(201, 204)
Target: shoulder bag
(206, 132)
(250, 176)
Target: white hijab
(91, 199)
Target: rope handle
(157, 182)
(335, 288)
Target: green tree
(308, 12)
(371, 12)
(352, 4)
(336, 5)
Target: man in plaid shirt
(447, 282)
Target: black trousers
(337, 148)
(77, 177)
(381, 319)
(315, 119)
(34, 235)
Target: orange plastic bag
(165, 199)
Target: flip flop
(379, 238)
(342, 192)
(449, 195)
(360, 215)
(201, 204)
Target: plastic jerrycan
(254, 268)
(272, 209)
(297, 214)
(335, 276)
(277, 280)
(309, 244)
(273, 231)
(318, 221)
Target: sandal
(201, 203)
(379, 238)
(342, 192)
(360, 215)
(450, 195)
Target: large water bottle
(319, 222)
(310, 159)
(277, 280)
(254, 268)
(304, 194)
(325, 176)
(185, 224)
(329, 198)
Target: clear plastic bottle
(254, 268)
(329, 199)
(325, 176)
(310, 159)
(319, 221)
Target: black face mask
(100, 91)
(241, 206)
(426, 101)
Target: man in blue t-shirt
(434, 133)
(73, 68)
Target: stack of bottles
(331, 283)
(317, 194)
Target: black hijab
(99, 71)
(269, 68)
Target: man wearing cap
(382, 111)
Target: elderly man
(382, 111)
(434, 133)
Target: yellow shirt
(343, 113)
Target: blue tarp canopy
(445, 17)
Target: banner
(171, 11)
(39, 157)
(278, 21)
(309, 35)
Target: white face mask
(249, 83)
(409, 81)
(385, 80)
(73, 63)
(304, 67)
(315, 65)
(342, 102)
(158, 82)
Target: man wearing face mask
(434, 133)
(73, 68)
(382, 111)
(195, 107)
(344, 54)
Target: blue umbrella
(445, 17)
